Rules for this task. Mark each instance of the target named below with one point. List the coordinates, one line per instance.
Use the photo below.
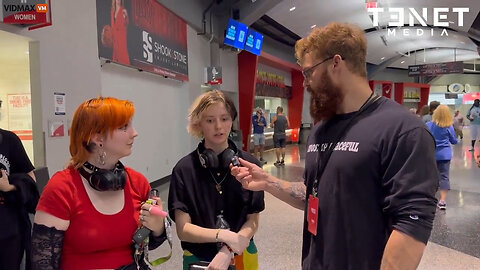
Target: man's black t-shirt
(13, 159)
(380, 177)
(193, 191)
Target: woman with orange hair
(442, 130)
(88, 212)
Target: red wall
(247, 71)
(295, 104)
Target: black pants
(11, 252)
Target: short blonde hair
(442, 116)
(346, 40)
(202, 103)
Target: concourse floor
(455, 239)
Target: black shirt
(193, 191)
(381, 176)
(13, 159)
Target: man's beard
(324, 100)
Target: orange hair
(98, 115)
(346, 40)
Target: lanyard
(320, 169)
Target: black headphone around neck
(102, 179)
(210, 160)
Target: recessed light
(382, 58)
(292, 8)
(402, 62)
(313, 26)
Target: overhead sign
(435, 69)
(213, 75)
(236, 34)
(254, 42)
(143, 34)
(24, 12)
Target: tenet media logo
(147, 47)
(396, 18)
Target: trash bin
(304, 132)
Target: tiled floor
(455, 240)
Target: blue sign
(254, 42)
(236, 34)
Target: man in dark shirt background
(280, 124)
(13, 160)
(372, 204)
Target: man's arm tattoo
(298, 191)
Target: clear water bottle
(221, 224)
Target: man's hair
(280, 109)
(442, 116)
(343, 39)
(433, 105)
(201, 104)
(100, 115)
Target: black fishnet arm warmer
(47, 245)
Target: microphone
(143, 232)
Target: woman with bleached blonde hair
(442, 130)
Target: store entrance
(15, 91)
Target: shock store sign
(25, 12)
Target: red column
(399, 89)
(295, 104)
(247, 71)
(424, 92)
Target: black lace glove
(47, 243)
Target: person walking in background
(431, 108)
(444, 134)
(259, 123)
(458, 124)
(279, 123)
(213, 214)
(473, 115)
(423, 111)
(17, 189)
(88, 213)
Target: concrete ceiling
(384, 48)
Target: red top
(119, 36)
(94, 240)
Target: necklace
(218, 185)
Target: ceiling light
(402, 62)
(313, 26)
(292, 8)
(382, 58)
